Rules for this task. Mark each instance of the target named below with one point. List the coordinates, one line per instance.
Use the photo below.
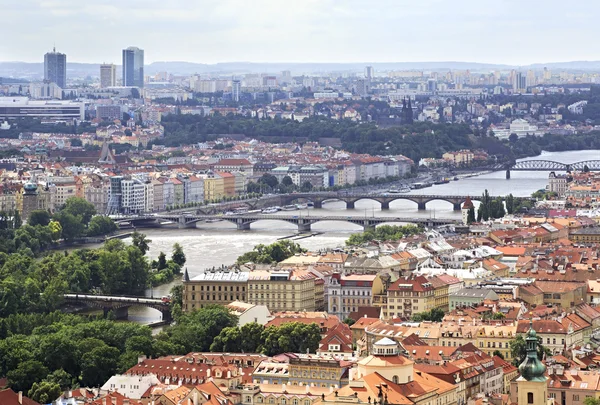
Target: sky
(514, 32)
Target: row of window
(266, 287)
(237, 288)
(262, 296)
(218, 297)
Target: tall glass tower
(55, 68)
(133, 67)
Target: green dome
(532, 369)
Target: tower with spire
(532, 388)
(467, 205)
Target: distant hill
(34, 71)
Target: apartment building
(346, 293)
(408, 296)
(234, 165)
(283, 289)
(214, 287)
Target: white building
(130, 386)
(133, 197)
(247, 313)
(45, 90)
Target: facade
(282, 290)
(471, 297)
(108, 75)
(218, 287)
(557, 183)
(133, 197)
(109, 112)
(52, 111)
(531, 387)
(408, 296)
(55, 68)
(45, 90)
(346, 293)
(133, 67)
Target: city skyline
(266, 31)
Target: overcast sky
(210, 31)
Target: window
(530, 397)
(395, 379)
(575, 397)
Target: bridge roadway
(547, 166)
(119, 305)
(304, 223)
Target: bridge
(384, 199)
(304, 223)
(119, 305)
(549, 166)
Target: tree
(471, 215)
(306, 186)
(44, 392)
(287, 181)
(513, 138)
(140, 241)
(291, 337)
(25, 374)
(269, 180)
(178, 256)
(586, 169)
(162, 261)
(72, 227)
(39, 217)
(101, 225)
(98, 365)
(55, 230)
(80, 208)
(275, 252)
(510, 204)
(349, 321)
(497, 353)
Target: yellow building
(408, 296)
(218, 287)
(586, 235)
(214, 187)
(283, 290)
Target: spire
(468, 204)
(186, 276)
(532, 369)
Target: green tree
(349, 321)
(287, 181)
(80, 208)
(498, 353)
(55, 230)
(98, 365)
(306, 186)
(471, 215)
(39, 217)
(291, 337)
(178, 256)
(101, 225)
(44, 392)
(72, 227)
(510, 204)
(162, 261)
(140, 241)
(25, 374)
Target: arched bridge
(551, 166)
(119, 305)
(243, 221)
(384, 199)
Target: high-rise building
(369, 72)
(108, 75)
(236, 87)
(55, 68)
(133, 67)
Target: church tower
(468, 204)
(532, 388)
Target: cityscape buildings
(108, 75)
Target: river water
(220, 243)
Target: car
(165, 298)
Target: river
(219, 243)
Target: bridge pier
(243, 226)
(304, 226)
(369, 226)
(350, 205)
(318, 204)
(507, 174)
(385, 205)
(457, 206)
(422, 206)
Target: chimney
(125, 401)
(21, 397)
(141, 359)
(113, 400)
(208, 373)
(195, 397)
(104, 401)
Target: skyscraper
(108, 75)
(55, 68)
(369, 72)
(133, 67)
(236, 87)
